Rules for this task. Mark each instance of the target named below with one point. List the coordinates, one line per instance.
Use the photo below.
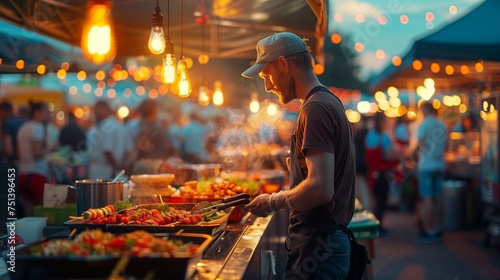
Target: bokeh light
(360, 18)
(380, 54)
(417, 65)
(435, 68)
(336, 38)
(453, 10)
(429, 16)
(464, 69)
(396, 61)
(404, 19)
(479, 67)
(359, 47)
(382, 20)
(449, 70)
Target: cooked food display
(98, 243)
(163, 215)
(217, 189)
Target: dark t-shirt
(73, 135)
(11, 127)
(323, 125)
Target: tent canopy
(231, 30)
(458, 46)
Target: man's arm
(317, 189)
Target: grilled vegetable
(92, 214)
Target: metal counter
(249, 257)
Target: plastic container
(30, 229)
(55, 215)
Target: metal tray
(181, 266)
(210, 229)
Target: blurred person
(194, 134)
(109, 143)
(73, 136)
(33, 146)
(467, 124)
(381, 158)
(10, 126)
(149, 137)
(402, 133)
(363, 192)
(23, 112)
(432, 136)
(322, 161)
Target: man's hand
(260, 206)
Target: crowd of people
(387, 158)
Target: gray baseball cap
(272, 47)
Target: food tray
(210, 229)
(180, 266)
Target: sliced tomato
(117, 242)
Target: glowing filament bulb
(168, 69)
(184, 86)
(218, 98)
(203, 98)
(97, 41)
(156, 42)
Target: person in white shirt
(32, 148)
(109, 143)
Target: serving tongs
(207, 206)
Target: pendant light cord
(182, 29)
(168, 18)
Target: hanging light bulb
(218, 98)
(156, 42)
(254, 103)
(98, 44)
(184, 86)
(203, 98)
(168, 71)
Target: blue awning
(473, 38)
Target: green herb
(122, 204)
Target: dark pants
(381, 193)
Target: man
(10, 127)
(322, 162)
(432, 136)
(33, 147)
(109, 143)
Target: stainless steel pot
(96, 193)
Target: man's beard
(288, 93)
